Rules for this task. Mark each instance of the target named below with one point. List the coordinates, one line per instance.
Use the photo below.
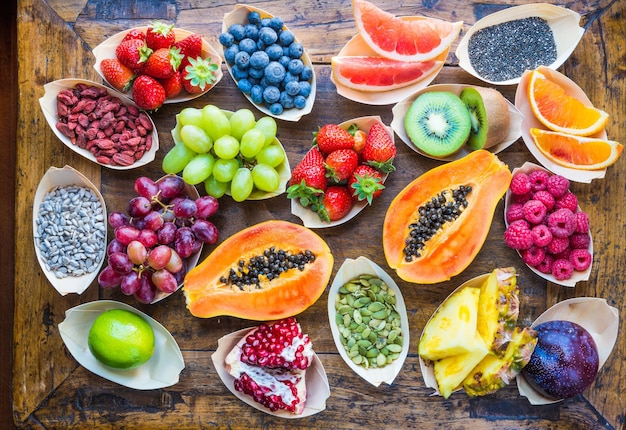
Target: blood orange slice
(366, 73)
(409, 38)
(559, 111)
(576, 152)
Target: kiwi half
(438, 123)
(489, 113)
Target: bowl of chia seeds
(69, 229)
(499, 47)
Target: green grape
(215, 122)
(241, 121)
(215, 188)
(271, 155)
(195, 138)
(242, 184)
(198, 169)
(265, 178)
(177, 158)
(224, 169)
(226, 147)
(190, 115)
(267, 125)
(251, 143)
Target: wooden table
(51, 390)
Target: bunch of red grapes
(161, 228)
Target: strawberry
(173, 86)
(132, 53)
(199, 75)
(160, 35)
(359, 140)
(117, 74)
(379, 150)
(190, 47)
(162, 63)
(336, 203)
(311, 170)
(134, 33)
(366, 183)
(331, 137)
(340, 164)
(148, 93)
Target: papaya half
(271, 270)
(437, 224)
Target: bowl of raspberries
(547, 227)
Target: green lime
(121, 339)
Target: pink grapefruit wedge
(366, 73)
(409, 38)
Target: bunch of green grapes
(229, 153)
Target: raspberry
(562, 222)
(557, 245)
(580, 259)
(518, 235)
(557, 185)
(533, 255)
(546, 265)
(582, 222)
(514, 212)
(579, 241)
(541, 235)
(522, 198)
(538, 179)
(564, 255)
(546, 198)
(534, 211)
(562, 269)
(520, 184)
(567, 201)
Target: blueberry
(284, 61)
(307, 73)
(305, 88)
(244, 85)
(242, 59)
(254, 17)
(252, 79)
(286, 37)
(286, 100)
(276, 108)
(256, 94)
(259, 59)
(276, 23)
(237, 31)
(260, 46)
(248, 45)
(267, 35)
(226, 39)
(265, 22)
(274, 72)
(274, 51)
(256, 73)
(299, 101)
(271, 94)
(230, 53)
(289, 77)
(295, 50)
(238, 72)
(292, 88)
(295, 66)
(251, 31)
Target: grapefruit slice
(410, 38)
(576, 152)
(559, 111)
(365, 73)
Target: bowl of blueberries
(268, 64)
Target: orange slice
(378, 73)
(576, 152)
(559, 111)
(410, 38)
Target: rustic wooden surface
(51, 390)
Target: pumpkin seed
(394, 347)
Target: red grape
(137, 252)
(115, 246)
(153, 220)
(185, 208)
(175, 264)
(207, 206)
(166, 233)
(138, 207)
(147, 291)
(120, 263)
(126, 234)
(159, 257)
(109, 278)
(118, 219)
(130, 283)
(146, 187)
(164, 281)
(148, 238)
(184, 242)
(171, 186)
(205, 231)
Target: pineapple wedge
(451, 371)
(451, 330)
(493, 372)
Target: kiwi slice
(489, 114)
(438, 123)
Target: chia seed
(504, 51)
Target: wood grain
(51, 390)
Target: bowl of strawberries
(343, 172)
(158, 64)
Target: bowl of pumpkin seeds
(368, 320)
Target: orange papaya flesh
(226, 283)
(456, 243)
